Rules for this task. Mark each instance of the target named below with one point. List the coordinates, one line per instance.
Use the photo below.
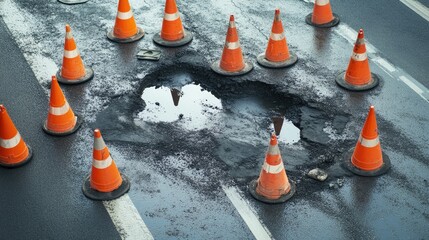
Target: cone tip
(2, 108)
(68, 28)
(372, 109)
(273, 140)
(231, 18)
(97, 133)
(54, 78)
(277, 11)
(360, 35)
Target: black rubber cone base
(266, 63)
(375, 79)
(139, 35)
(332, 23)
(248, 66)
(252, 189)
(89, 74)
(347, 164)
(188, 36)
(72, 2)
(25, 161)
(60, 134)
(105, 196)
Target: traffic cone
(105, 181)
(14, 152)
(277, 54)
(73, 71)
(125, 29)
(232, 62)
(366, 158)
(61, 119)
(176, 94)
(358, 76)
(273, 185)
(322, 15)
(172, 33)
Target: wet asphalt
(178, 156)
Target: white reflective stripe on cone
(99, 144)
(102, 164)
(69, 35)
(231, 24)
(322, 2)
(360, 41)
(124, 15)
(369, 143)
(274, 169)
(59, 110)
(232, 45)
(171, 16)
(71, 54)
(277, 36)
(11, 142)
(359, 56)
(273, 150)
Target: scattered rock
(157, 103)
(317, 174)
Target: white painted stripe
(71, 54)
(58, 111)
(322, 2)
(232, 45)
(273, 150)
(369, 143)
(125, 15)
(385, 64)
(277, 36)
(127, 219)
(69, 35)
(410, 84)
(171, 16)
(99, 143)
(259, 230)
(232, 24)
(359, 56)
(418, 8)
(11, 142)
(102, 164)
(273, 169)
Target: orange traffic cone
(232, 62)
(277, 54)
(14, 152)
(358, 76)
(273, 185)
(73, 71)
(172, 33)
(125, 29)
(322, 15)
(176, 94)
(61, 119)
(367, 159)
(105, 181)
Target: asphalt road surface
(189, 165)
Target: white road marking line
(385, 64)
(259, 230)
(417, 7)
(21, 24)
(411, 85)
(127, 219)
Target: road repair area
(122, 137)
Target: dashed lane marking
(259, 230)
(414, 86)
(127, 219)
(418, 8)
(384, 64)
